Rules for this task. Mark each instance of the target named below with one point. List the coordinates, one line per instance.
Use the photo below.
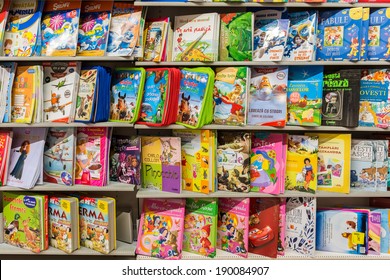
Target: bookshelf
(111, 187)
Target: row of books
(37, 221)
(269, 227)
(275, 1)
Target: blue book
(379, 35)
(363, 166)
(338, 34)
(385, 230)
(364, 34)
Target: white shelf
(75, 124)
(123, 249)
(114, 187)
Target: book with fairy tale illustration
(161, 163)
(378, 44)
(155, 39)
(197, 159)
(364, 34)
(5, 150)
(161, 228)
(200, 226)
(301, 164)
(334, 159)
(25, 220)
(233, 224)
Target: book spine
(46, 222)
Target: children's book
(300, 225)
(282, 228)
(61, 83)
(264, 226)
(334, 159)
(60, 26)
(58, 156)
(383, 169)
(9, 69)
(385, 230)
(364, 34)
(64, 223)
(91, 159)
(94, 26)
(304, 95)
(200, 226)
(22, 35)
(233, 224)
(363, 165)
(25, 220)
(338, 34)
(156, 36)
(4, 10)
(125, 160)
(161, 228)
(138, 53)
(382, 164)
(5, 150)
(236, 37)
(231, 87)
(374, 232)
(378, 47)
(233, 161)
(161, 163)
(197, 159)
(98, 223)
(267, 97)
(301, 165)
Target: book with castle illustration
(161, 163)
(378, 47)
(161, 227)
(25, 220)
(200, 226)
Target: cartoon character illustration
(82, 159)
(24, 150)
(204, 240)
(8, 48)
(354, 47)
(309, 175)
(263, 171)
(184, 109)
(167, 151)
(28, 41)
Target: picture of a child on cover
(169, 154)
(24, 150)
(82, 160)
(231, 233)
(263, 171)
(197, 234)
(309, 176)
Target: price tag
(358, 238)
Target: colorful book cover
(334, 159)
(60, 26)
(378, 47)
(264, 226)
(94, 26)
(161, 228)
(282, 228)
(300, 225)
(385, 230)
(382, 171)
(374, 233)
(231, 87)
(86, 95)
(374, 98)
(236, 37)
(363, 165)
(382, 164)
(10, 69)
(233, 161)
(156, 36)
(4, 10)
(200, 226)
(5, 150)
(58, 156)
(265, 162)
(364, 34)
(304, 95)
(161, 163)
(233, 224)
(301, 164)
(338, 34)
(25, 219)
(196, 37)
(91, 156)
(267, 96)
(125, 160)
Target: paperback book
(378, 47)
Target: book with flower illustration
(161, 163)
(233, 224)
(94, 26)
(301, 164)
(301, 225)
(4, 10)
(161, 228)
(200, 226)
(25, 220)
(91, 157)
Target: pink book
(161, 228)
(282, 227)
(92, 146)
(233, 224)
(284, 160)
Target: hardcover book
(378, 47)
(363, 165)
(155, 39)
(364, 34)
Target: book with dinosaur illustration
(58, 156)
(126, 94)
(161, 228)
(161, 163)
(98, 223)
(196, 37)
(64, 223)
(25, 220)
(230, 91)
(155, 39)
(334, 162)
(200, 226)
(267, 96)
(301, 225)
(233, 161)
(9, 70)
(364, 34)
(382, 164)
(4, 10)
(5, 150)
(94, 26)
(22, 36)
(61, 83)
(301, 163)
(233, 224)
(338, 34)
(267, 158)
(236, 33)
(59, 27)
(378, 44)
(304, 95)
